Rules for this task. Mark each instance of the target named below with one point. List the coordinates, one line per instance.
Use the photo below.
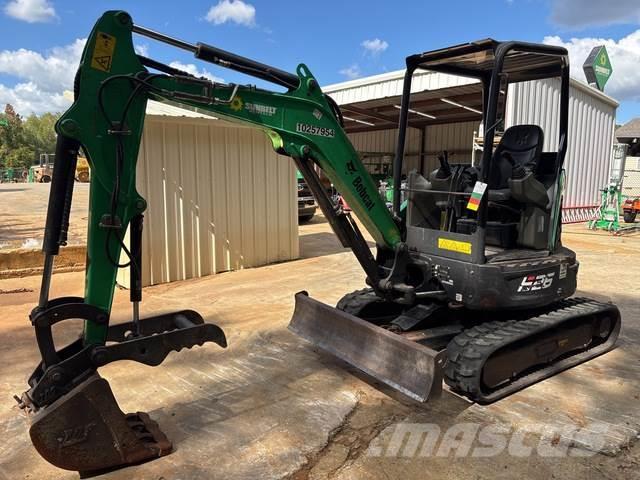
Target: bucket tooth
(86, 431)
(407, 366)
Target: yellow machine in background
(43, 171)
(83, 174)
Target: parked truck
(630, 209)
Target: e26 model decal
(313, 130)
(531, 283)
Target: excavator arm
(106, 120)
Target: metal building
(219, 197)
(446, 114)
(629, 134)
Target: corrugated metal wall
(384, 141)
(219, 199)
(457, 138)
(631, 178)
(591, 127)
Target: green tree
(20, 157)
(39, 133)
(11, 132)
(21, 141)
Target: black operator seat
(519, 150)
(519, 182)
(517, 198)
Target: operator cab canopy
(520, 212)
(522, 61)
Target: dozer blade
(407, 366)
(86, 431)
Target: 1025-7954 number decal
(313, 130)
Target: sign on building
(597, 67)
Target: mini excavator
(470, 282)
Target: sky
(42, 40)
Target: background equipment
(612, 201)
(43, 171)
(630, 209)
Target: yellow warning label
(454, 245)
(103, 52)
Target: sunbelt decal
(265, 110)
(532, 283)
(237, 104)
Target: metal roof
(370, 103)
(163, 109)
(630, 129)
(522, 60)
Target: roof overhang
(373, 103)
(431, 107)
(370, 103)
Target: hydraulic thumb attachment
(76, 423)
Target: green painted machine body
(112, 89)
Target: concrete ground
(23, 208)
(271, 406)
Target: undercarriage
(481, 355)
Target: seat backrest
(524, 144)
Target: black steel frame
(491, 79)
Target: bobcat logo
(73, 436)
(351, 168)
(523, 139)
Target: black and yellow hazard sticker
(102, 57)
(454, 245)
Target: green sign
(597, 68)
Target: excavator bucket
(407, 366)
(86, 431)
(75, 421)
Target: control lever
(445, 167)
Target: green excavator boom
(108, 114)
(106, 120)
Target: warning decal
(103, 52)
(476, 196)
(454, 245)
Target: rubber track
(468, 351)
(355, 301)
